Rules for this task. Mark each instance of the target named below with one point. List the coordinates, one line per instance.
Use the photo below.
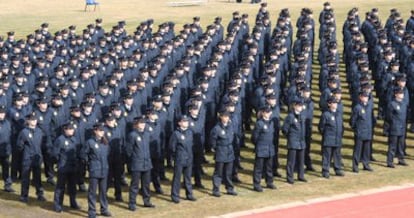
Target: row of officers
(102, 150)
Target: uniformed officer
(397, 119)
(137, 150)
(361, 122)
(65, 152)
(181, 145)
(29, 142)
(331, 128)
(222, 138)
(95, 153)
(5, 149)
(156, 151)
(196, 121)
(263, 138)
(116, 139)
(294, 130)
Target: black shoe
(339, 173)
(368, 168)
(216, 194)
(325, 175)
(119, 199)
(303, 180)
(258, 189)
(277, 174)
(159, 191)
(310, 168)
(175, 200)
(9, 189)
(236, 180)
(124, 182)
(231, 192)
(23, 199)
(132, 208)
(82, 188)
(290, 181)
(106, 213)
(191, 198)
(150, 205)
(402, 163)
(271, 186)
(75, 206)
(200, 186)
(390, 165)
(355, 170)
(163, 178)
(58, 209)
(41, 198)
(51, 181)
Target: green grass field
(23, 17)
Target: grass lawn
(23, 16)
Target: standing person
(181, 145)
(264, 139)
(95, 154)
(29, 143)
(361, 122)
(396, 115)
(308, 106)
(222, 137)
(332, 130)
(156, 151)
(294, 129)
(66, 154)
(196, 122)
(5, 149)
(116, 139)
(137, 150)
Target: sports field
(24, 16)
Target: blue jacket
(96, 153)
(397, 118)
(5, 134)
(362, 121)
(331, 127)
(181, 145)
(264, 137)
(29, 141)
(137, 150)
(294, 129)
(222, 139)
(66, 154)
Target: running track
(397, 203)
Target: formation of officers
(99, 104)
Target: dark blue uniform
(222, 138)
(95, 153)
(181, 145)
(137, 150)
(264, 138)
(5, 152)
(65, 152)
(29, 142)
(361, 122)
(331, 128)
(294, 129)
(116, 161)
(156, 154)
(197, 127)
(397, 119)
